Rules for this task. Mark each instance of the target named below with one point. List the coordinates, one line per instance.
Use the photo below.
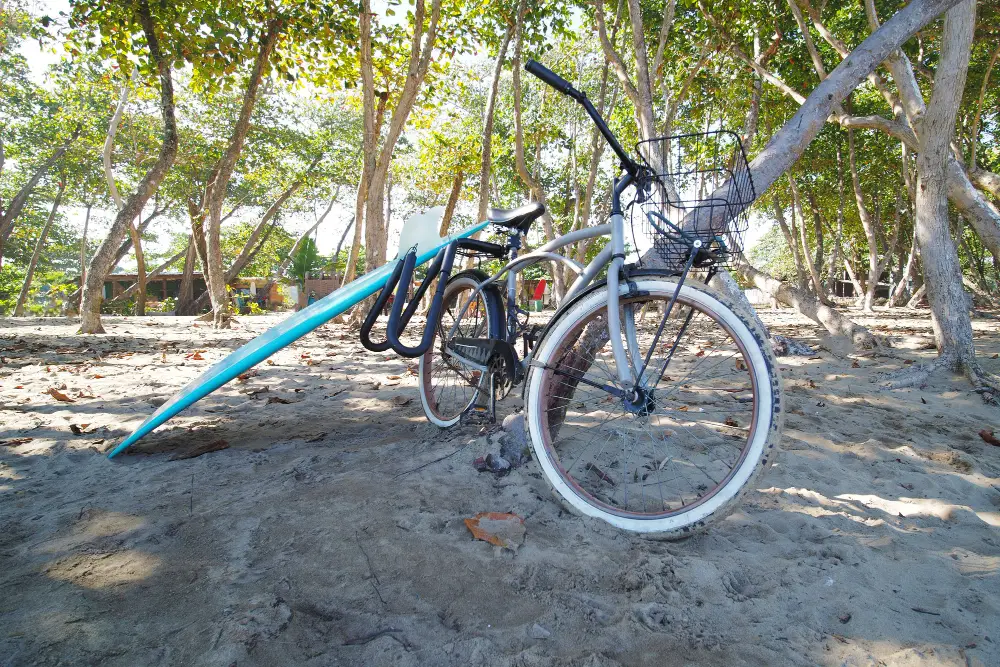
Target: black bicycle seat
(519, 218)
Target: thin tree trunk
(340, 243)
(215, 190)
(486, 162)
(185, 295)
(153, 275)
(813, 271)
(522, 169)
(793, 245)
(101, 264)
(22, 297)
(897, 293)
(9, 216)
(140, 271)
(109, 143)
(449, 209)
(83, 246)
(867, 223)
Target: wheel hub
(641, 402)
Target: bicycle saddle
(519, 218)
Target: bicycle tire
(761, 443)
(432, 361)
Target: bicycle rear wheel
(677, 453)
(447, 386)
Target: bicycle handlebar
(563, 86)
(552, 79)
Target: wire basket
(697, 187)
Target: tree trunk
(83, 246)
(779, 215)
(340, 243)
(101, 264)
(140, 271)
(22, 297)
(155, 273)
(817, 282)
(449, 209)
(9, 217)
(486, 163)
(185, 295)
(806, 304)
(867, 223)
(522, 169)
(215, 190)
(938, 254)
(897, 293)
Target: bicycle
(619, 422)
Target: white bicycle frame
(612, 257)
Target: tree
(19, 308)
(136, 18)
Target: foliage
(306, 261)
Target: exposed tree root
(985, 384)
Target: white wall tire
(761, 446)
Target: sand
(330, 529)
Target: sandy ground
(331, 530)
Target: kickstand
(484, 411)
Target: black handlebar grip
(551, 78)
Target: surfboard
(416, 232)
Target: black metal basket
(697, 187)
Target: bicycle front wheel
(677, 451)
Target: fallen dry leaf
(14, 442)
(988, 437)
(855, 364)
(79, 429)
(393, 377)
(243, 377)
(731, 422)
(194, 356)
(500, 529)
(59, 396)
(278, 399)
(401, 400)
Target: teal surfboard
(293, 328)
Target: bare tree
(102, 262)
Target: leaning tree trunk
(83, 246)
(140, 271)
(22, 297)
(154, 274)
(486, 162)
(102, 263)
(938, 254)
(9, 216)
(808, 305)
(185, 295)
(215, 190)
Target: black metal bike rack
(399, 283)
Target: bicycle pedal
(478, 415)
